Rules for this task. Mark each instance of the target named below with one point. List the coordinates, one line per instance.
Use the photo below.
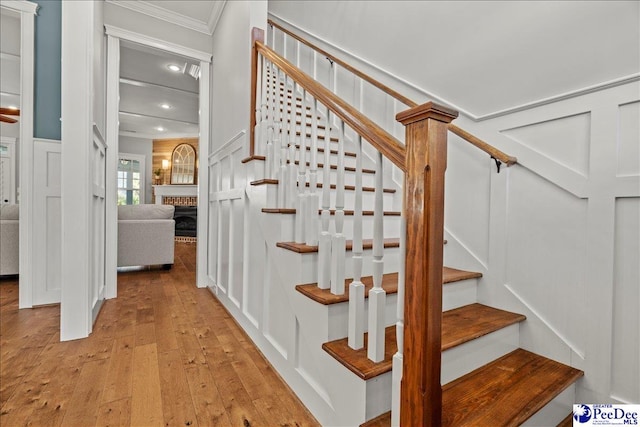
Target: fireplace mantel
(162, 191)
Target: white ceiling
(146, 83)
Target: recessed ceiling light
(165, 106)
(175, 68)
(160, 129)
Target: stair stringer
(290, 329)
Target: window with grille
(130, 180)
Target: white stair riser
(555, 411)
(391, 226)
(309, 269)
(471, 355)
(456, 294)
(459, 294)
(339, 316)
(368, 198)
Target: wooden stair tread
(389, 284)
(325, 297)
(347, 212)
(459, 325)
(254, 157)
(319, 185)
(320, 165)
(308, 135)
(301, 248)
(321, 150)
(567, 421)
(382, 420)
(455, 275)
(335, 167)
(505, 392)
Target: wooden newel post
(257, 34)
(426, 162)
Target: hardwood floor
(162, 353)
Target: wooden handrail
(406, 101)
(489, 149)
(384, 142)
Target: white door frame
(114, 35)
(27, 11)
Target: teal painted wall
(47, 75)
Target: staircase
(488, 379)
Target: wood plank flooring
(162, 353)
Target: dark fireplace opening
(186, 218)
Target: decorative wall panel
(625, 367)
(629, 140)
(546, 250)
(564, 140)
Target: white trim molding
(111, 190)
(20, 6)
(25, 147)
(203, 175)
(149, 9)
(353, 59)
(157, 43)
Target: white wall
(143, 24)
(232, 68)
(482, 56)
(144, 147)
(82, 167)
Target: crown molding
(216, 13)
(20, 6)
(161, 13)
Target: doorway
(169, 114)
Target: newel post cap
(429, 110)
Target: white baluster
(313, 199)
(396, 376)
(301, 204)
(338, 241)
(356, 288)
(277, 123)
(292, 186)
(324, 242)
(263, 125)
(269, 155)
(282, 172)
(377, 295)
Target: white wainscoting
(47, 222)
(97, 219)
(556, 236)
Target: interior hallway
(163, 353)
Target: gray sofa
(9, 239)
(145, 235)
